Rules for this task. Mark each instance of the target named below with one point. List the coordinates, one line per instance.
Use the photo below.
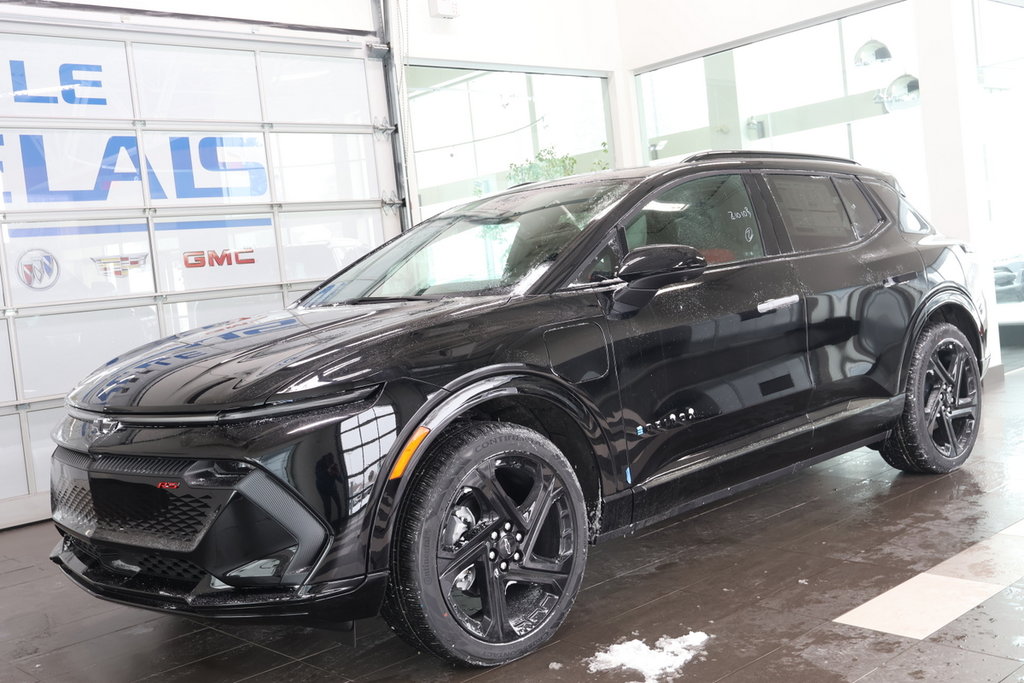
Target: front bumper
(167, 534)
(326, 604)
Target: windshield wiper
(379, 299)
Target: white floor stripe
(924, 604)
(920, 606)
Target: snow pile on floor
(666, 657)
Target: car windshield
(498, 245)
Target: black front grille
(117, 499)
(146, 565)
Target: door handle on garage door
(776, 304)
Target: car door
(863, 282)
(709, 362)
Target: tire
(495, 510)
(939, 425)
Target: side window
(812, 210)
(912, 222)
(713, 215)
(886, 193)
(858, 208)
(603, 266)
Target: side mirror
(648, 269)
(660, 265)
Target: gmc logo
(202, 259)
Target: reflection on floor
(764, 575)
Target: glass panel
(188, 315)
(712, 215)
(70, 260)
(857, 206)
(196, 83)
(603, 266)
(320, 243)
(1000, 102)
(40, 424)
(814, 214)
(320, 167)
(828, 89)
(58, 350)
(12, 458)
(308, 89)
(45, 170)
(476, 132)
(7, 392)
(64, 77)
(226, 251)
(206, 168)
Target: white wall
(655, 31)
(563, 34)
(350, 14)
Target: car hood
(287, 355)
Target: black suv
(438, 431)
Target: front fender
(462, 396)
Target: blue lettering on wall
(6, 196)
(37, 181)
(209, 158)
(68, 83)
(19, 83)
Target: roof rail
(736, 153)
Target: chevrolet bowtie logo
(118, 266)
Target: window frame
(767, 229)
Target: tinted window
(603, 266)
(858, 208)
(886, 193)
(813, 211)
(713, 215)
(911, 220)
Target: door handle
(776, 304)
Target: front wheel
(941, 416)
(490, 546)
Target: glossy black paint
(718, 377)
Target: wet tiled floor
(765, 575)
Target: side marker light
(406, 455)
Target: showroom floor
(764, 575)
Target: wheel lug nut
(508, 526)
(494, 535)
(517, 556)
(519, 537)
(503, 566)
(491, 555)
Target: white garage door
(154, 180)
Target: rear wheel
(490, 548)
(940, 420)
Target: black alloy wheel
(943, 408)
(491, 548)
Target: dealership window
(154, 182)
(1001, 92)
(845, 87)
(476, 132)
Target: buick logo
(38, 269)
